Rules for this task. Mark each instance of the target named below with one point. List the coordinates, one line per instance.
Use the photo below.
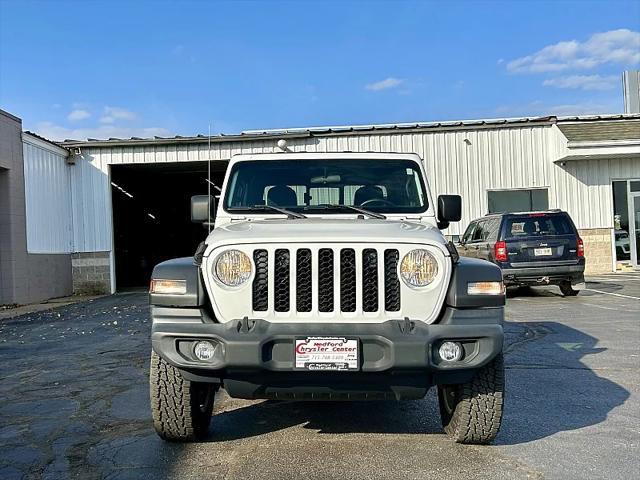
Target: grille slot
(391, 281)
(348, 280)
(281, 292)
(370, 280)
(325, 280)
(303, 280)
(261, 281)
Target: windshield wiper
(349, 207)
(288, 213)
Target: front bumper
(398, 358)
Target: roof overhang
(609, 139)
(615, 149)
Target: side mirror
(201, 208)
(449, 210)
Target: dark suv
(531, 248)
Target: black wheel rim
(449, 398)
(205, 398)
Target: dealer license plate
(540, 252)
(327, 354)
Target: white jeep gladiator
(325, 277)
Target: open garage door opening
(151, 215)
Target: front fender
(179, 269)
(468, 270)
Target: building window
(518, 200)
(621, 222)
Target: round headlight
(232, 268)
(418, 268)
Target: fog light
(204, 350)
(450, 351)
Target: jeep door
(463, 248)
(475, 244)
(489, 235)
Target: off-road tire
(567, 290)
(472, 412)
(181, 409)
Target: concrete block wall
(91, 273)
(24, 277)
(597, 250)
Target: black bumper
(398, 358)
(550, 275)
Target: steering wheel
(380, 201)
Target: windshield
(383, 186)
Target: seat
(530, 228)
(366, 193)
(282, 196)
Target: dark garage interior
(151, 215)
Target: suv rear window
(538, 225)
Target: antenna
(209, 183)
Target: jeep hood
(315, 230)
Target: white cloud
(56, 132)
(587, 108)
(584, 82)
(77, 115)
(620, 47)
(539, 108)
(111, 114)
(385, 84)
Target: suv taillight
(580, 247)
(500, 252)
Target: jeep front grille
(261, 281)
(316, 288)
(391, 281)
(281, 290)
(303, 280)
(325, 280)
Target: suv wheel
(181, 409)
(472, 412)
(567, 289)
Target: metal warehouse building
(101, 213)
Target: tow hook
(543, 280)
(406, 326)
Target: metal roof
(350, 129)
(45, 140)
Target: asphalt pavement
(74, 404)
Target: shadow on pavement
(327, 417)
(605, 286)
(549, 390)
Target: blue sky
(101, 69)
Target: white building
(104, 202)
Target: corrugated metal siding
(92, 225)
(584, 189)
(466, 162)
(48, 200)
